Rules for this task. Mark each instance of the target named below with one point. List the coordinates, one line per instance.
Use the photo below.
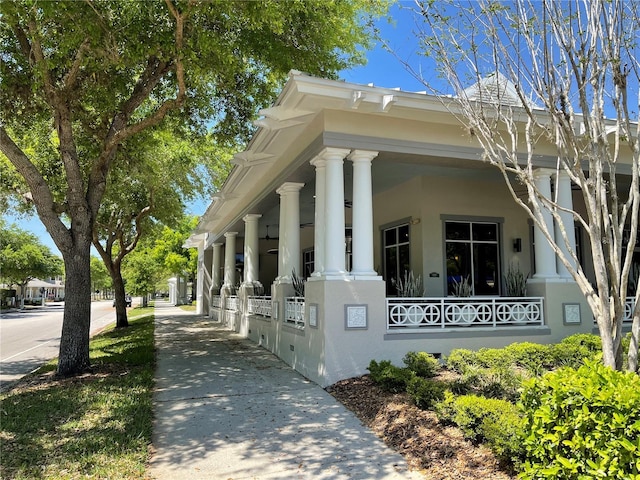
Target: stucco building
(349, 186)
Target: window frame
(470, 219)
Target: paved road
(32, 337)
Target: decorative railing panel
(231, 303)
(294, 311)
(216, 301)
(628, 311)
(260, 306)
(453, 312)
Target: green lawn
(96, 425)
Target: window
(307, 263)
(472, 250)
(395, 244)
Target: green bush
(582, 423)
(572, 351)
(425, 392)
(502, 383)
(423, 364)
(500, 358)
(489, 420)
(460, 359)
(533, 357)
(390, 377)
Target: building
(348, 187)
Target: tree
(142, 273)
(565, 74)
(172, 167)
(101, 73)
(170, 254)
(24, 258)
(100, 280)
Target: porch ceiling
(389, 169)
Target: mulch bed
(438, 452)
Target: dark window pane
(485, 232)
(391, 268)
(403, 234)
(403, 259)
(390, 237)
(458, 264)
(486, 279)
(457, 231)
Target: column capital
(362, 155)
(318, 162)
(334, 153)
(252, 217)
(543, 172)
(289, 187)
(217, 244)
(230, 234)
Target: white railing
(452, 312)
(216, 301)
(231, 303)
(294, 311)
(260, 306)
(628, 311)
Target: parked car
(127, 301)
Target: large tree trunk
(74, 343)
(118, 287)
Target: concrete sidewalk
(228, 409)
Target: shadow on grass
(97, 424)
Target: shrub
(573, 350)
(460, 359)
(500, 358)
(423, 364)
(390, 377)
(489, 420)
(425, 392)
(501, 383)
(582, 423)
(533, 357)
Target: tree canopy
(23, 257)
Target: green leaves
(582, 423)
(24, 258)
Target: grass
(96, 425)
(188, 308)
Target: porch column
(216, 265)
(289, 242)
(544, 255)
(334, 240)
(206, 287)
(362, 219)
(230, 259)
(320, 219)
(251, 253)
(200, 276)
(565, 200)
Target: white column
(289, 231)
(216, 264)
(362, 218)
(565, 200)
(230, 259)
(544, 254)
(200, 274)
(319, 222)
(251, 253)
(334, 241)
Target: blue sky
(382, 69)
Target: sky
(383, 69)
